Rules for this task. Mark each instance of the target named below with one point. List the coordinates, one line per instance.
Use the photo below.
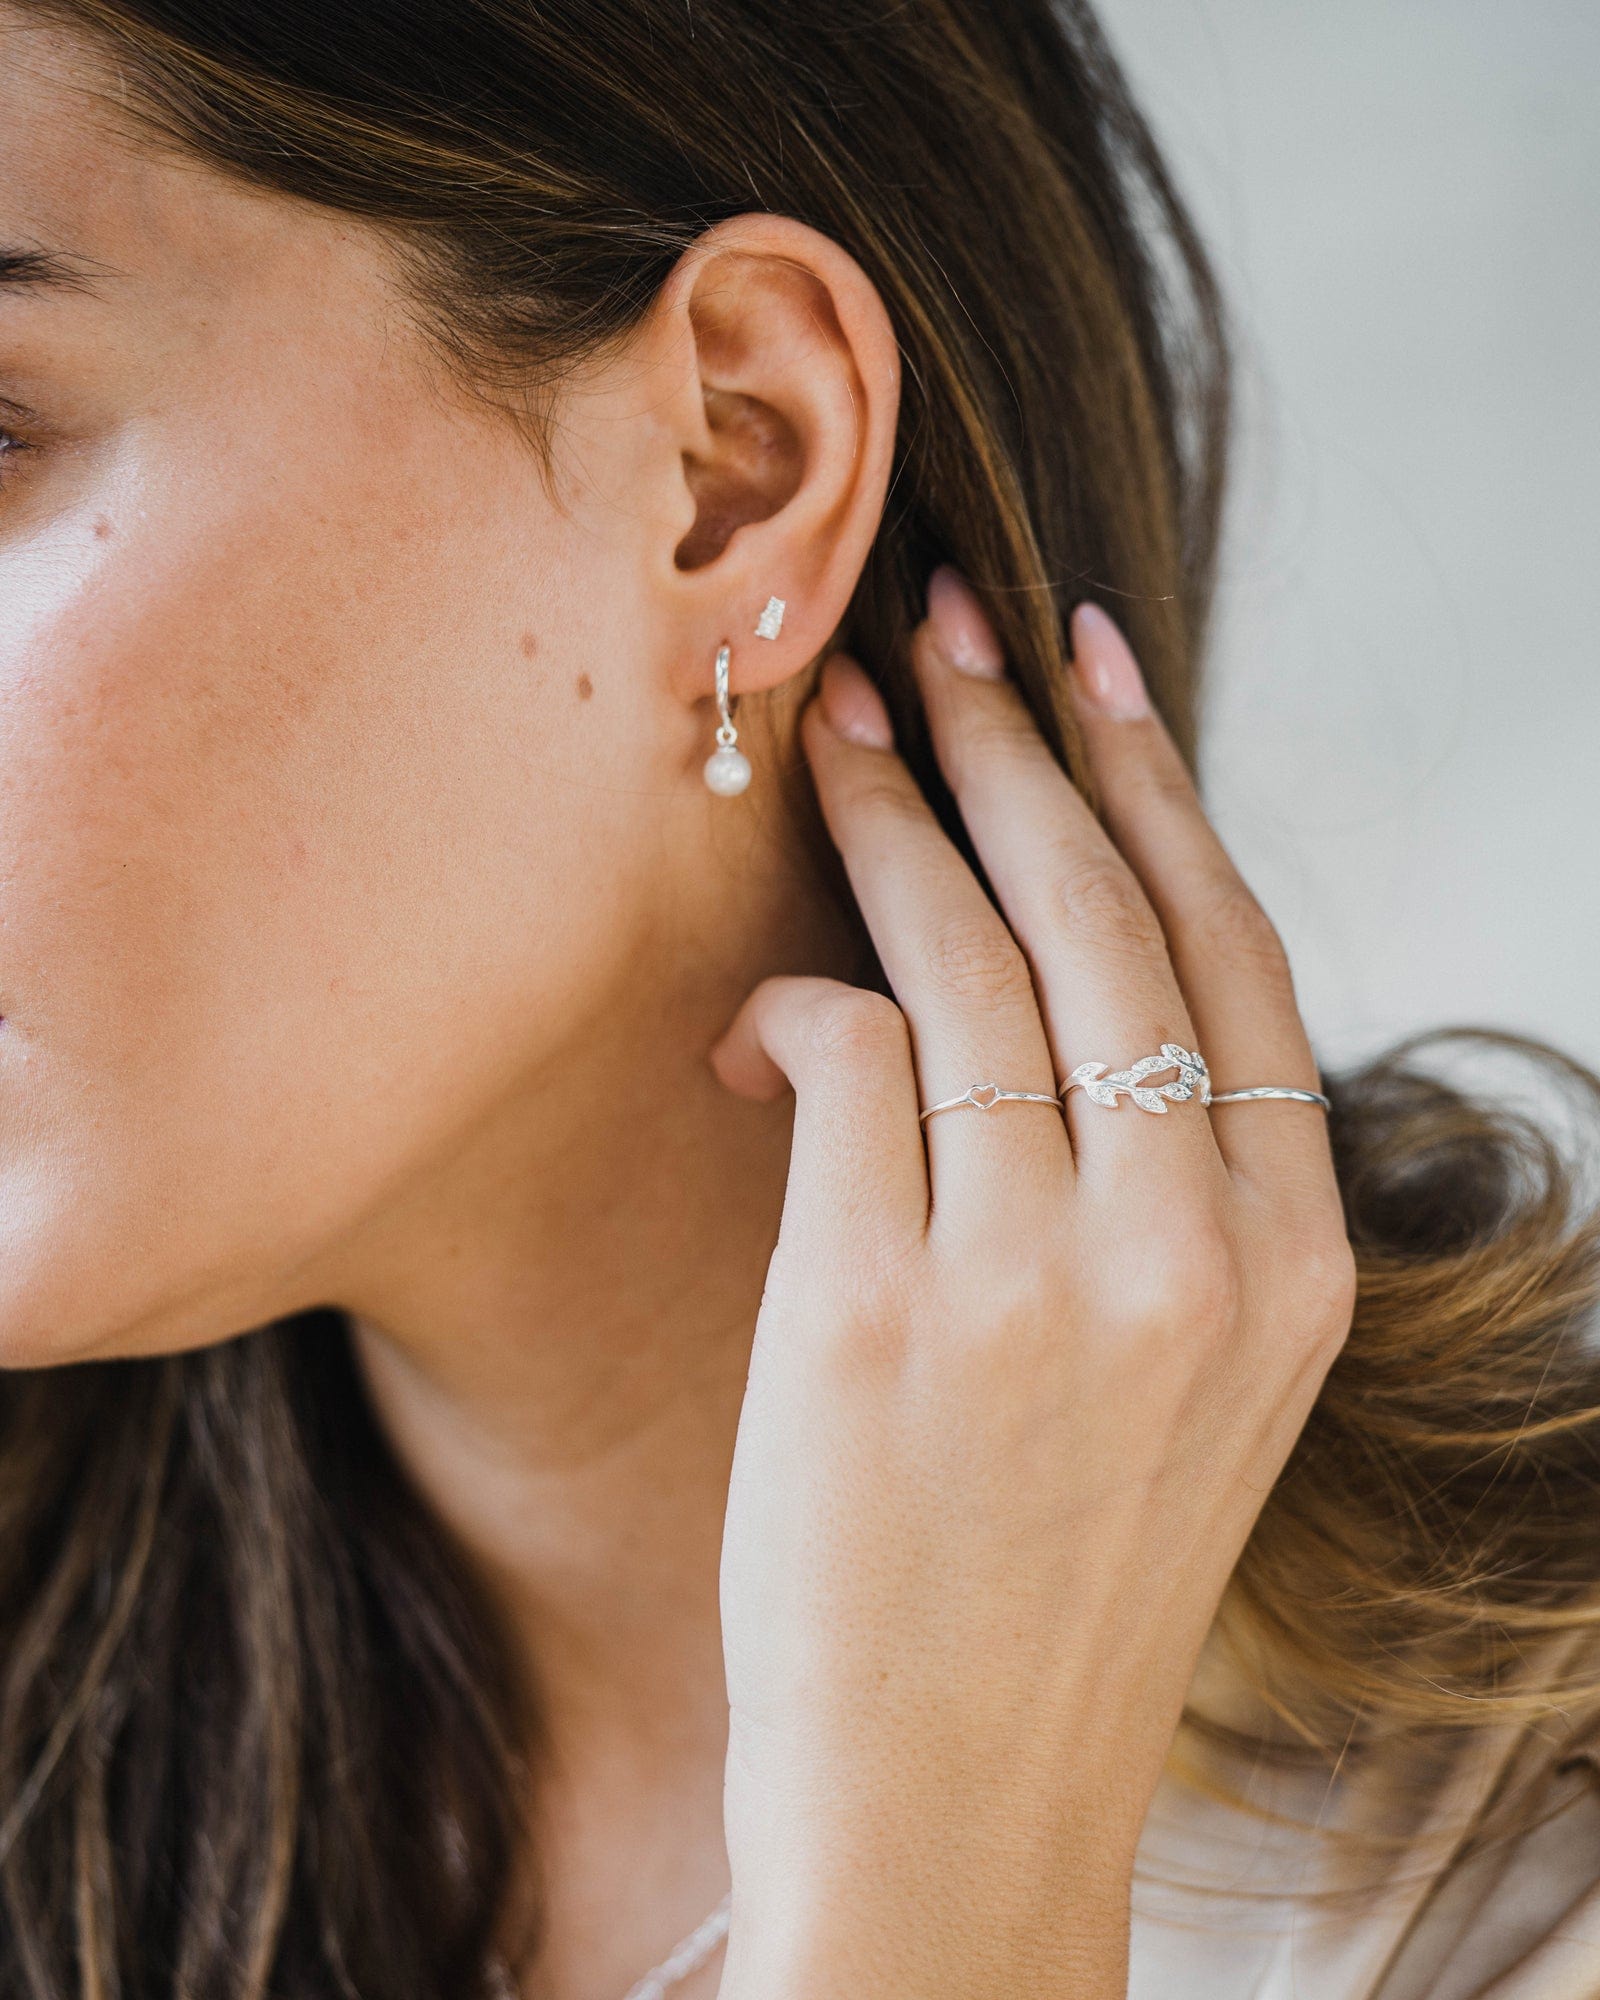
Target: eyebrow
(24, 271)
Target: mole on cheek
(585, 687)
(102, 528)
(529, 645)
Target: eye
(9, 446)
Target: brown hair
(224, 1612)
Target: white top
(1519, 1921)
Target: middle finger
(1100, 959)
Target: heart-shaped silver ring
(985, 1096)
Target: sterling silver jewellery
(687, 1957)
(684, 1958)
(1103, 1086)
(1272, 1090)
(982, 1096)
(727, 769)
(1107, 1087)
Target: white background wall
(1403, 729)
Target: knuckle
(1186, 1289)
(1213, 1283)
(1327, 1281)
(1018, 1300)
(889, 797)
(870, 1332)
(991, 733)
(973, 959)
(1230, 924)
(1165, 779)
(853, 1025)
(1100, 896)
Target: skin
(367, 934)
(1036, 1378)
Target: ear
(771, 445)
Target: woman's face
(332, 796)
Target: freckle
(530, 645)
(102, 528)
(585, 687)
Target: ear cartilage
(771, 619)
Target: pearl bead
(727, 772)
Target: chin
(74, 1290)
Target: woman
(558, 565)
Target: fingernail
(961, 628)
(853, 706)
(1103, 660)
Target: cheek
(293, 886)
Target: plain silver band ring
(1271, 1090)
(980, 1096)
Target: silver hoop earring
(727, 769)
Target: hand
(1020, 1382)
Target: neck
(555, 1326)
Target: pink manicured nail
(961, 627)
(853, 705)
(1107, 671)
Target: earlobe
(727, 770)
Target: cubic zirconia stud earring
(727, 769)
(770, 623)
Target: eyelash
(8, 445)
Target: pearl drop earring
(727, 769)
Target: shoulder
(1520, 1918)
(1379, 1884)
